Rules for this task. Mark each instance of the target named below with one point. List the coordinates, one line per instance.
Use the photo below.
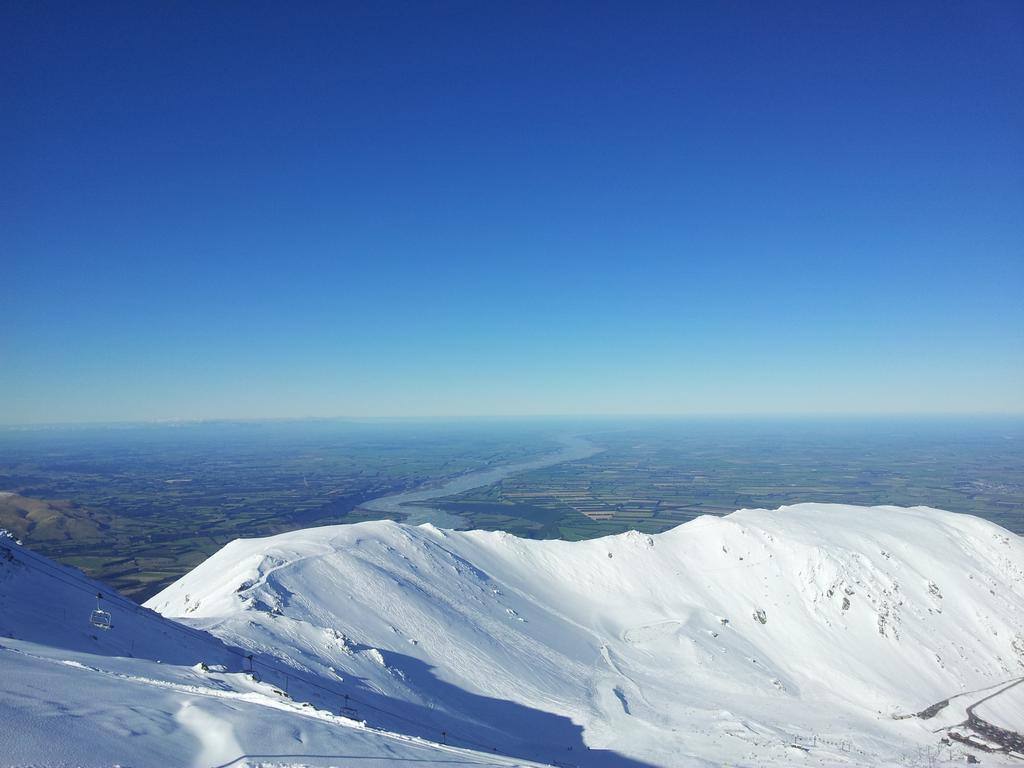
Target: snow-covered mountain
(724, 639)
(153, 692)
(813, 634)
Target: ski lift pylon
(100, 618)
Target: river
(573, 448)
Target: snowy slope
(137, 694)
(806, 634)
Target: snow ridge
(830, 634)
(154, 692)
(725, 637)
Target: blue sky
(434, 209)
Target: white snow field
(137, 695)
(789, 637)
(809, 635)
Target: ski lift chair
(100, 618)
(348, 711)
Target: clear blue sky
(247, 209)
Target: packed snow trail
(53, 716)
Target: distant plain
(139, 506)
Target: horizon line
(443, 418)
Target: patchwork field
(139, 507)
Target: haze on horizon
(458, 209)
